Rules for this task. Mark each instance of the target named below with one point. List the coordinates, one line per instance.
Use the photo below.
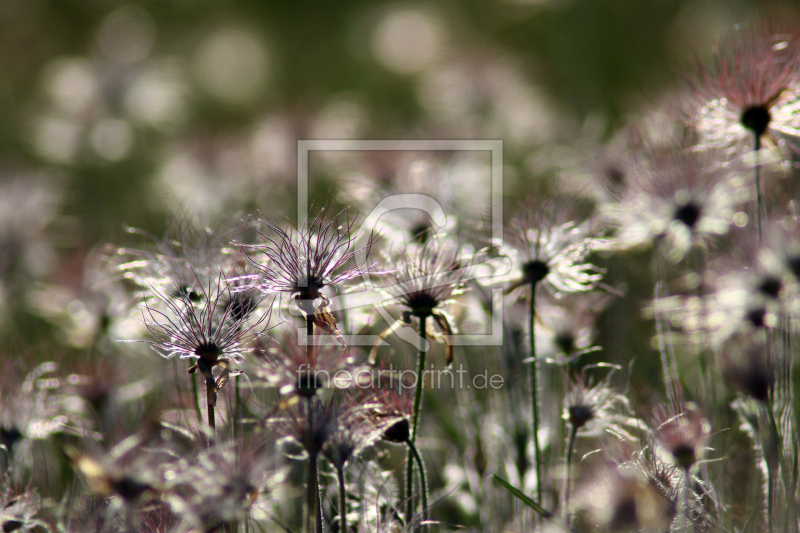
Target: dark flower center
(757, 384)
(308, 289)
(793, 262)
(535, 271)
(12, 525)
(9, 437)
(308, 383)
(756, 119)
(397, 432)
(566, 341)
(421, 303)
(770, 286)
(615, 176)
(688, 213)
(579, 415)
(189, 293)
(684, 455)
(421, 232)
(625, 515)
(129, 489)
(756, 317)
(209, 351)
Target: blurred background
(116, 114)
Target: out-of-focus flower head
(19, 507)
(746, 290)
(211, 487)
(747, 367)
(683, 434)
(542, 249)
(310, 424)
(426, 182)
(88, 302)
(129, 471)
(181, 263)
(683, 199)
(617, 498)
(565, 327)
(749, 95)
(355, 432)
(35, 406)
(596, 409)
(302, 370)
(389, 404)
(28, 205)
(660, 474)
(728, 306)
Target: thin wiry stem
(686, 481)
(310, 336)
(197, 400)
(236, 409)
(570, 449)
(342, 501)
(665, 350)
(423, 480)
(414, 426)
(535, 393)
(760, 207)
(313, 518)
(313, 507)
(772, 479)
(211, 392)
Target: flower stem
(204, 368)
(212, 423)
(570, 449)
(197, 400)
(309, 334)
(417, 405)
(535, 394)
(313, 518)
(665, 349)
(236, 408)
(423, 480)
(686, 481)
(760, 208)
(342, 501)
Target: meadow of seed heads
(606, 344)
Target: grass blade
(544, 513)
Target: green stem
(535, 394)
(665, 349)
(342, 501)
(212, 423)
(772, 479)
(309, 334)
(204, 368)
(236, 410)
(570, 449)
(760, 208)
(423, 480)
(686, 481)
(414, 428)
(197, 400)
(313, 517)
